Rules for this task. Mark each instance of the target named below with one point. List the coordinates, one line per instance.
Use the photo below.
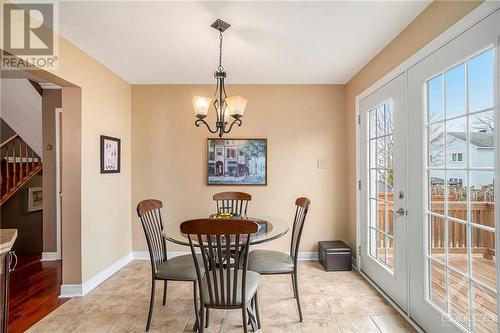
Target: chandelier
(229, 110)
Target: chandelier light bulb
(237, 105)
(201, 105)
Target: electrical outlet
(321, 164)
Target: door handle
(401, 212)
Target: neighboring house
(482, 154)
(226, 159)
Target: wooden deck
(484, 301)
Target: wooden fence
(482, 213)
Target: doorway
(428, 196)
(452, 98)
(383, 189)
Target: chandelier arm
(236, 121)
(223, 86)
(201, 121)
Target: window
(457, 157)
(231, 153)
(219, 151)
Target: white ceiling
(268, 42)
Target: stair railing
(18, 164)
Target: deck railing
(482, 213)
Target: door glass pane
(482, 139)
(485, 307)
(437, 284)
(381, 183)
(483, 257)
(454, 82)
(457, 194)
(436, 145)
(480, 77)
(457, 246)
(456, 139)
(483, 197)
(438, 238)
(459, 297)
(389, 244)
(437, 191)
(435, 97)
(460, 196)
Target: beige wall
(95, 208)
(434, 20)
(302, 124)
(51, 100)
(105, 199)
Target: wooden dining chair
(268, 262)
(225, 282)
(180, 268)
(232, 202)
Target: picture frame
(110, 154)
(35, 199)
(236, 161)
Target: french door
(453, 164)
(383, 189)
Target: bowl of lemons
(223, 216)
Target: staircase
(18, 164)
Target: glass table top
(270, 228)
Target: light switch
(321, 164)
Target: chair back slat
(220, 243)
(149, 212)
(302, 207)
(232, 202)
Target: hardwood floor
(34, 291)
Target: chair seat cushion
(179, 268)
(251, 286)
(269, 262)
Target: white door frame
(58, 111)
(468, 21)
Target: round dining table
(269, 228)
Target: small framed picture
(110, 154)
(35, 199)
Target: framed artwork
(110, 154)
(237, 162)
(35, 199)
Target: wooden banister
(12, 138)
(18, 164)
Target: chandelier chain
(220, 68)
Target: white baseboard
(50, 256)
(78, 290)
(308, 256)
(73, 290)
(144, 255)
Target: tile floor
(331, 302)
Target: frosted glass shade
(201, 105)
(237, 105)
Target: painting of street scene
(237, 162)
